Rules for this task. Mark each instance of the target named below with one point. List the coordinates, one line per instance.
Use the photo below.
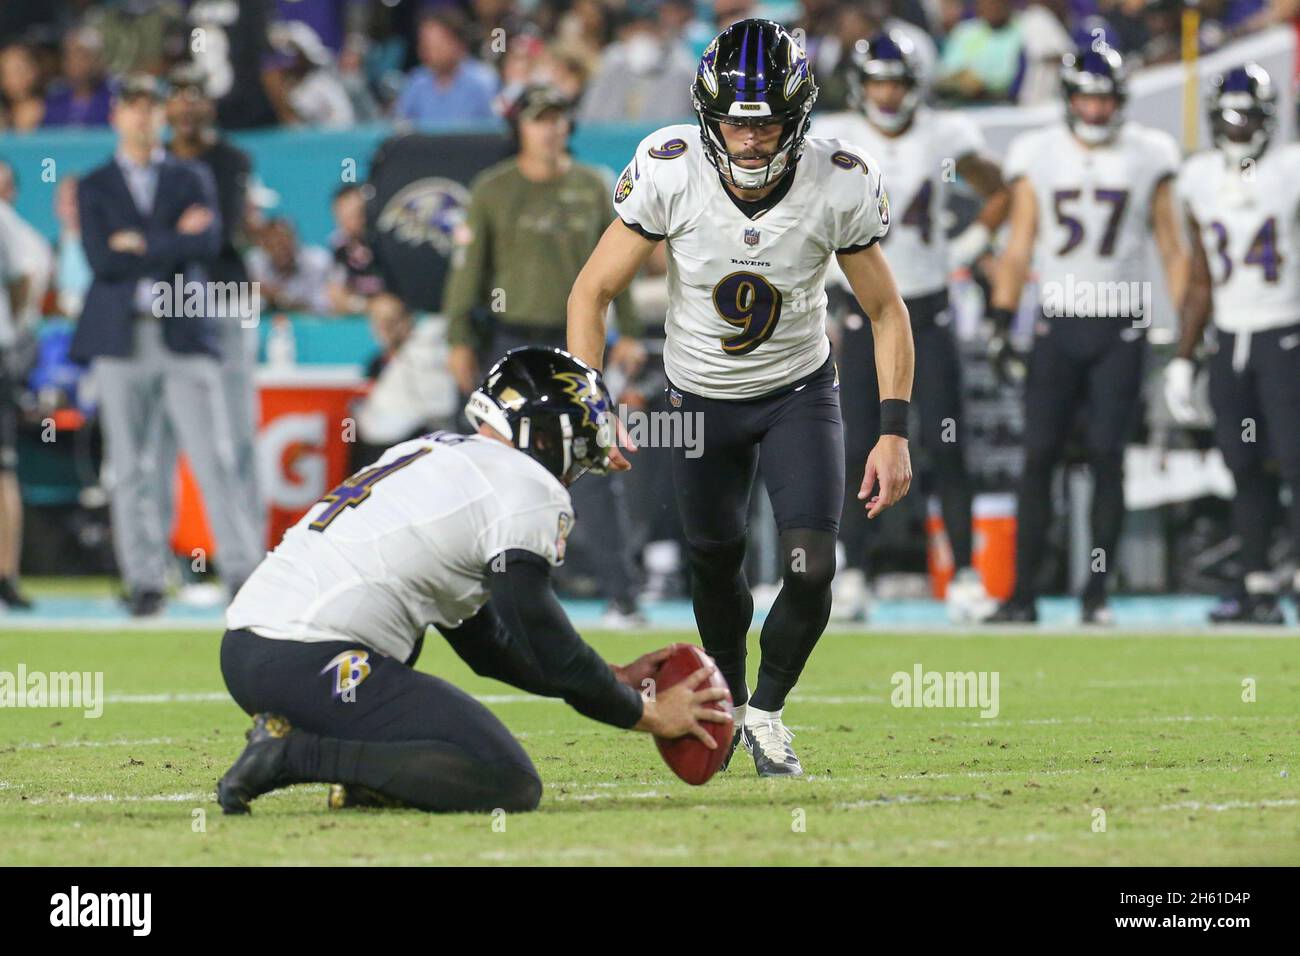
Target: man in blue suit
(150, 225)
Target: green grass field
(1148, 734)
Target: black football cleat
(11, 597)
(1248, 609)
(1013, 612)
(1097, 613)
(768, 742)
(260, 768)
(731, 750)
(145, 603)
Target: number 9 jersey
(746, 297)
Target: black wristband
(893, 417)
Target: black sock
(1033, 517)
(1107, 520)
(1254, 515)
(724, 608)
(955, 505)
(798, 616)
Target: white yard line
(1229, 805)
(51, 744)
(996, 722)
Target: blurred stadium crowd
(443, 67)
(334, 63)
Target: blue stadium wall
(303, 166)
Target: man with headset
(533, 220)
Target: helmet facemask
(1077, 80)
(1094, 134)
(892, 122)
(788, 150)
(872, 70)
(1241, 127)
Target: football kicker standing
(1242, 201)
(753, 212)
(920, 151)
(1085, 195)
(457, 531)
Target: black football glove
(1009, 363)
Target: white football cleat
(967, 600)
(850, 596)
(768, 741)
(623, 617)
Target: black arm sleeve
(523, 637)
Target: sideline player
(1242, 201)
(921, 151)
(457, 531)
(753, 211)
(1086, 194)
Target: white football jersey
(1094, 205)
(404, 544)
(747, 297)
(1249, 221)
(920, 165)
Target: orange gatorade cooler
(993, 544)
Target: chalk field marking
(205, 797)
(1227, 805)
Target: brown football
(687, 756)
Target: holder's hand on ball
(642, 669)
(677, 711)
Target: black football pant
(1093, 366)
(796, 436)
(1255, 394)
(937, 399)
(405, 734)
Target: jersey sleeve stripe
(849, 250)
(637, 227)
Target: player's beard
(775, 164)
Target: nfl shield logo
(751, 237)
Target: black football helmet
(885, 56)
(752, 74)
(1243, 111)
(551, 406)
(1097, 69)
